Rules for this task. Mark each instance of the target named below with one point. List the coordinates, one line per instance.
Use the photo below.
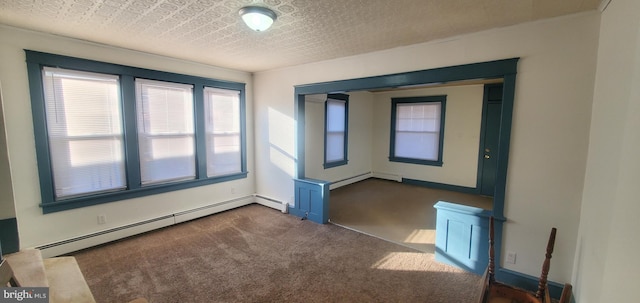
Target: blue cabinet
(462, 236)
(311, 200)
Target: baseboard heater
(273, 203)
(104, 232)
(387, 176)
(350, 180)
(100, 237)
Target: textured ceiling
(211, 32)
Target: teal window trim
(344, 161)
(442, 99)
(127, 74)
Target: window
(417, 127)
(85, 132)
(165, 131)
(336, 121)
(222, 113)
(107, 132)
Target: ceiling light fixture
(258, 18)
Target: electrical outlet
(511, 257)
(102, 219)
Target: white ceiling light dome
(258, 18)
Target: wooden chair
(493, 291)
(6, 275)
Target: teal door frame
(489, 139)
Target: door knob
(487, 156)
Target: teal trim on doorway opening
(492, 95)
(506, 117)
(505, 69)
(483, 70)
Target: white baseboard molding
(74, 244)
(387, 176)
(272, 203)
(350, 180)
(212, 209)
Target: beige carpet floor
(397, 212)
(257, 254)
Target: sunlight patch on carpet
(422, 236)
(404, 261)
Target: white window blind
(418, 130)
(335, 130)
(84, 128)
(165, 131)
(222, 115)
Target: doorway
(505, 69)
(489, 138)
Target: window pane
(335, 115)
(165, 131)
(412, 117)
(335, 130)
(222, 116)
(423, 146)
(166, 158)
(335, 147)
(84, 127)
(417, 133)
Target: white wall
(7, 208)
(552, 113)
(607, 267)
(359, 136)
(461, 136)
(369, 126)
(35, 228)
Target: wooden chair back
(494, 291)
(7, 279)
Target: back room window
(417, 128)
(335, 132)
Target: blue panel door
(311, 200)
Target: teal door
(490, 136)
